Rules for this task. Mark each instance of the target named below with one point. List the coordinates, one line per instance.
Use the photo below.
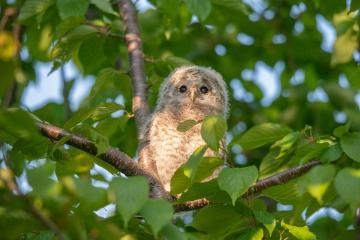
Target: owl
(189, 92)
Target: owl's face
(194, 89)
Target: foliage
(49, 190)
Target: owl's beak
(192, 96)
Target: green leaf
(17, 123)
(91, 198)
(41, 182)
(183, 175)
(235, 181)
(344, 47)
(157, 213)
(167, 6)
(98, 113)
(350, 143)
(343, 21)
(69, 8)
(213, 130)
(309, 151)
(302, 233)
(206, 167)
(252, 234)
(79, 33)
(104, 5)
(347, 185)
(172, 232)
(341, 130)
(69, 43)
(32, 148)
(34, 7)
(209, 190)
(186, 125)
(286, 193)
(200, 8)
(332, 153)
(355, 5)
(232, 4)
(176, 61)
(219, 221)
(262, 134)
(267, 219)
(104, 111)
(318, 179)
(81, 163)
(91, 55)
(131, 194)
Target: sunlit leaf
(183, 176)
(318, 179)
(267, 219)
(213, 130)
(262, 134)
(344, 47)
(343, 21)
(252, 234)
(299, 232)
(9, 46)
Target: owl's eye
(204, 90)
(183, 89)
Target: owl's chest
(165, 135)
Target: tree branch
(280, 178)
(136, 58)
(114, 157)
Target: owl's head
(194, 88)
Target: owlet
(190, 92)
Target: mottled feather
(190, 92)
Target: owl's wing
(146, 159)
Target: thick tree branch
(114, 157)
(280, 178)
(136, 58)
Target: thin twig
(136, 58)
